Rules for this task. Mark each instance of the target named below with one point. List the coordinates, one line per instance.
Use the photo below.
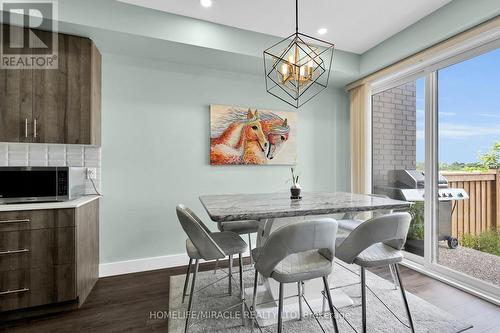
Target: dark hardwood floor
(484, 316)
(123, 304)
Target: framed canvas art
(248, 136)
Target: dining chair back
(296, 253)
(199, 234)
(296, 238)
(390, 230)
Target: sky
(468, 108)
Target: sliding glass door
(468, 118)
(436, 142)
(398, 127)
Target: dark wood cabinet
(60, 105)
(35, 287)
(16, 98)
(36, 219)
(38, 248)
(47, 257)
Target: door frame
(428, 264)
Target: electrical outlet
(91, 173)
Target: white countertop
(50, 205)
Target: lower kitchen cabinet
(48, 257)
(38, 286)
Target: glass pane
(469, 157)
(398, 152)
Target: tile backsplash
(38, 154)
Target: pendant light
(298, 67)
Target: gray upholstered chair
(295, 253)
(349, 222)
(377, 242)
(207, 245)
(239, 227)
(246, 227)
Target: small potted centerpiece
(295, 189)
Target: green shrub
(416, 230)
(488, 242)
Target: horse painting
(246, 136)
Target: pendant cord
(296, 16)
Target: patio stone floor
(481, 265)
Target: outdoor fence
(482, 211)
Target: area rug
(213, 307)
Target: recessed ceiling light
(206, 3)
(322, 31)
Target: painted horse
(232, 148)
(239, 141)
(277, 133)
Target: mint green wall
(156, 143)
(447, 21)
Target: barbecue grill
(409, 185)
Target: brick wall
(394, 131)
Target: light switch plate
(91, 173)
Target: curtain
(360, 114)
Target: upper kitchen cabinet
(60, 105)
(16, 104)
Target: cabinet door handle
(14, 251)
(16, 291)
(16, 221)
(26, 127)
(34, 128)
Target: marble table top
(237, 207)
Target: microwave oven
(41, 184)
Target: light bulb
(322, 31)
(206, 3)
(284, 69)
(302, 71)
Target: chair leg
(254, 297)
(191, 295)
(187, 279)
(280, 309)
(393, 277)
(242, 291)
(330, 303)
(230, 275)
(250, 248)
(299, 290)
(396, 268)
(363, 298)
(216, 266)
(323, 307)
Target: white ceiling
(353, 25)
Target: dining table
(277, 209)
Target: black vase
(295, 192)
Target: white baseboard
(143, 264)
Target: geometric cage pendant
(298, 67)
